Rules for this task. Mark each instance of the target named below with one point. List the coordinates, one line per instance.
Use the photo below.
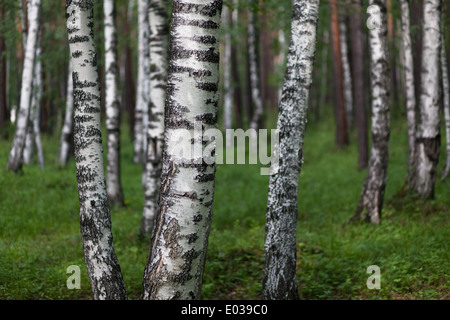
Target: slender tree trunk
(371, 199)
(323, 75)
(159, 51)
(130, 87)
(36, 106)
(417, 24)
(3, 80)
(228, 89)
(279, 280)
(346, 72)
(428, 137)
(112, 100)
(446, 97)
(235, 72)
(101, 261)
(408, 74)
(16, 154)
(359, 97)
(67, 128)
(142, 94)
(338, 79)
(254, 72)
(175, 266)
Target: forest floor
(40, 234)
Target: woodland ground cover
(40, 236)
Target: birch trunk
(16, 154)
(408, 75)
(228, 89)
(446, 97)
(68, 123)
(428, 135)
(113, 182)
(101, 261)
(36, 106)
(159, 51)
(372, 194)
(254, 72)
(175, 266)
(143, 83)
(346, 72)
(279, 280)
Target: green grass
(40, 238)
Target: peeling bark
(112, 105)
(159, 51)
(372, 194)
(279, 280)
(175, 265)
(95, 219)
(16, 154)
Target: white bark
(101, 261)
(347, 81)
(68, 123)
(159, 51)
(372, 194)
(36, 106)
(408, 75)
(254, 72)
(16, 154)
(228, 89)
(175, 266)
(143, 84)
(112, 106)
(279, 280)
(428, 128)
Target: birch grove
(372, 194)
(15, 160)
(95, 220)
(175, 265)
(279, 281)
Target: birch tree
(372, 194)
(143, 85)
(174, 268)
(159, 51)
(16, 154)
(228, 89)
(64, 145)
(113, 182)
(408, 75)
(279, 280)
(101, 261)
(346, 72)
(428, 127)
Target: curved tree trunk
(408, 74)
(16, 154)
(101, 261)
(428, 137)
(279, 280)
(159, 51)
(66, 131)
(112, 100)
(175, 266)
(371, 199)
(143, 79)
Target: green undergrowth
(40, 234)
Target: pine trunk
(371, 199)
(428, 137)
(112, 105)
(95, 219)
(159, 51)
(280, 246)
(16, 155)
(175, 266)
